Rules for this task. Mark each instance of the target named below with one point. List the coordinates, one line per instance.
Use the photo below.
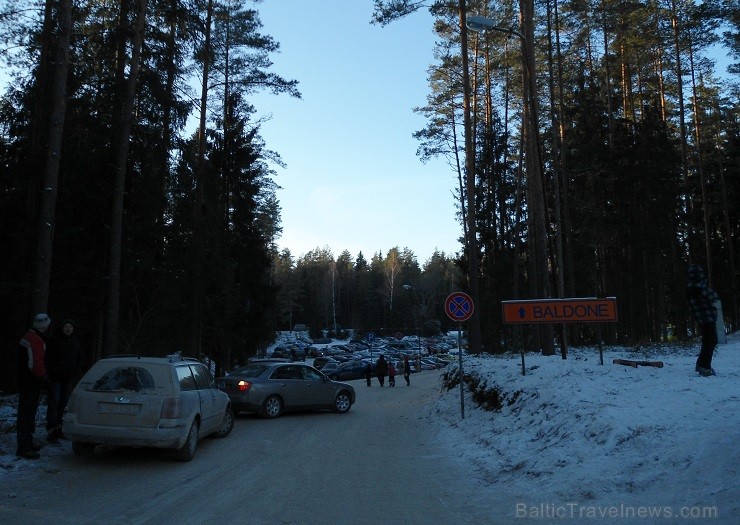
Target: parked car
(280, 352)
(292, 352)
(312, 351)
(162, 402)
(269, 389)
(319, 362)
(329, 367)
(347, 371)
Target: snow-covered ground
(575, 439)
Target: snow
(573, 438)
(576, 439)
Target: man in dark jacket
(701, 302)
(31, 375)
(64, 362)
(381, 369)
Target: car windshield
(250, 370)
(313, 375)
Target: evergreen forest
(596, 144)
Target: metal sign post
(370, 339)
(459, 359)
(459, 307)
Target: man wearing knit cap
(31, 374)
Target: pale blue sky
(353, 180)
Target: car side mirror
(221, 385)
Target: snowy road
(375, 464)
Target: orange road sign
(580, 310)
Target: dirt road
(374, 465)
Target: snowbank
(574, 438)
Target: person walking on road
(381, 369)
(407, 370)
(64, 365)
(31, 375)
(701, 302)
(391, 374)
(369, 375)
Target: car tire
(272, 407)
(81, 448)
(227, 424)
(343, 402)
(187, 451)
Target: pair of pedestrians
(51, 362)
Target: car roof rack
(177, 356)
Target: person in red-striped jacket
(31, 375)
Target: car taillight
(171, 408)
(243, 386)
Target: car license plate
(123, 409)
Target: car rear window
(145, 378)
(131, 378)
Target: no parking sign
(459, 306)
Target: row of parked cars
(172, 402)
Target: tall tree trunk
(700, 167)
(556, 137)
(471, 240)
(167, 131)
(610, 111)
(535, 175)
(196, 305)
(36, 162)
(110, 331)
(730, 242)
(48, 193)
(682, 119)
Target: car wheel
(81, 448)
(342, 402)
(272, 407)
(227, 424)
(187, 450)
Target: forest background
(597, 151)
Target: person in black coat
(701, 303)
(381, 369)
(64, 364)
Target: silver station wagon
(270, 387)
(162, 402)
